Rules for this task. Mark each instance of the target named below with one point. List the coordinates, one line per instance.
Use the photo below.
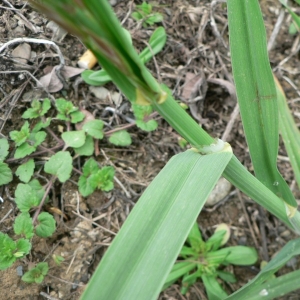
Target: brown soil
(196, 46)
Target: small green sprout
(67, 111)
(93, 177)
(36, 274)
(144, 12)
(58, 259)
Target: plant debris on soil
(195, 64)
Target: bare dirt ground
(196, 56)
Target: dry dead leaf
(52, 83)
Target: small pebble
(19, 270)
(99, 92)
(220, 191)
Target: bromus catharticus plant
(140, 258)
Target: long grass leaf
(289, 132)
(256, 93)
(140, 258)
(291, 249)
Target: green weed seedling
(200, 259)
(144, 12)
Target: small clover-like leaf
(5, 173)
(85, 188)
(90, 167)
(37, 109)
(62, 117)
(4, 146)
(46, 225)
(60, 165)
(74, 138)
(26, 197)
(25, 171)
(141, 111)
(94, 128)
(87, 149)
(45, 106)
(37, 188)
(38, 138)
(77, 116)
(23, 246)
(23, 225)
(147, 126)
(19, 137)
(120, 138)
(24, 150)
(41, 124)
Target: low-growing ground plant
(141, 257)
(78, 138)
(200, 259)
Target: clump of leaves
(26, 141)
(200, 259)
(144, 12)
(95, 177)
(36, 274)
(11, 250)
(30, 194)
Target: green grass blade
(256, 93)
(170, 110)
(277, 287)
(289, 132)
(141, 257)
(290, 250)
